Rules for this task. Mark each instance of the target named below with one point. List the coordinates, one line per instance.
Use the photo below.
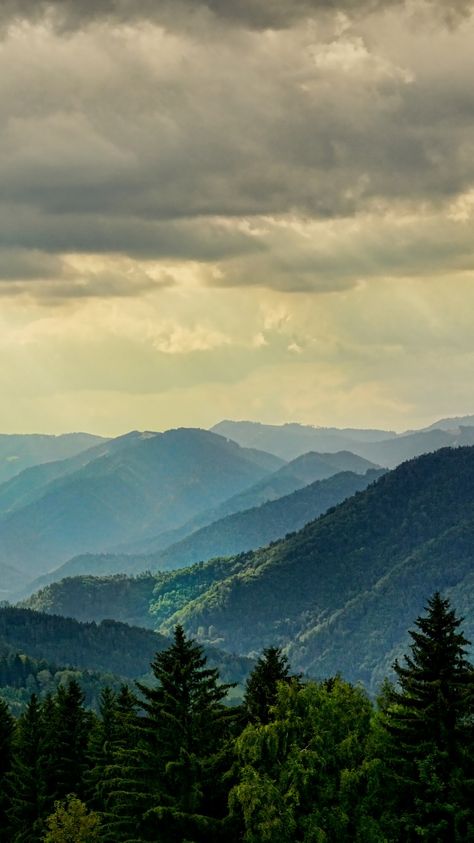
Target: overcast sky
(242, 208)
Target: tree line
(297, 762)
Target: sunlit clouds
(242, 210)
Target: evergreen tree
(6, 735)
(113, 739)
(170, 786)
(65, 743)
(26, 782)
(102, 747)
(262, 684)
(430, 721)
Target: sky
(257, 209)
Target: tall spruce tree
(112, 743)
(26, 781)
(262, 685)
(6, 736)
(102, 743)
(430, 721)
(171, 781)
(66, 732)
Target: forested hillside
(300, 590)
(108, 647)
(336, 594)
(234, 534)
(260, 525)
(94, 598)
(287, 479)
(21, 676)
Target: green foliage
(93, 598)
(21, 676)
(262, 685)
(339, 594)
(430, 721)
(103, 654)
(26, 782)
(6, 735)
(108, 646)
(266, 522)
(315, 764)
(296, 770)
(169, 784)
(71, 822)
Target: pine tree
(170, 788)
(66, 730)
(430, 722)
(262, 684)
(113, 742)
(26, 782)
(102, 747)
(6, 736)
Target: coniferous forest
(298, 760)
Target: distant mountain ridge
(20, 451)
(140, 484)
(339, 594)
(232, 534)
(291, 440)
(294, 475)
(384, 448)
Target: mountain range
(385, 448)
(339, 594)
(133, 486)
(232, 534)
(20, 451)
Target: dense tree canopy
(299, 762)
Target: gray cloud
(253, 14)
(170, 147)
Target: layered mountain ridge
(339, 594)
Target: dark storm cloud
(181, 146)
(253, 14)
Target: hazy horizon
(124, 431)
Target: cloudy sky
(235, 208)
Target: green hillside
(312, 591)
(260, 525)
(236, 533)
(94, 598)
(287, 479)
(338, 595)
(107, 647)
